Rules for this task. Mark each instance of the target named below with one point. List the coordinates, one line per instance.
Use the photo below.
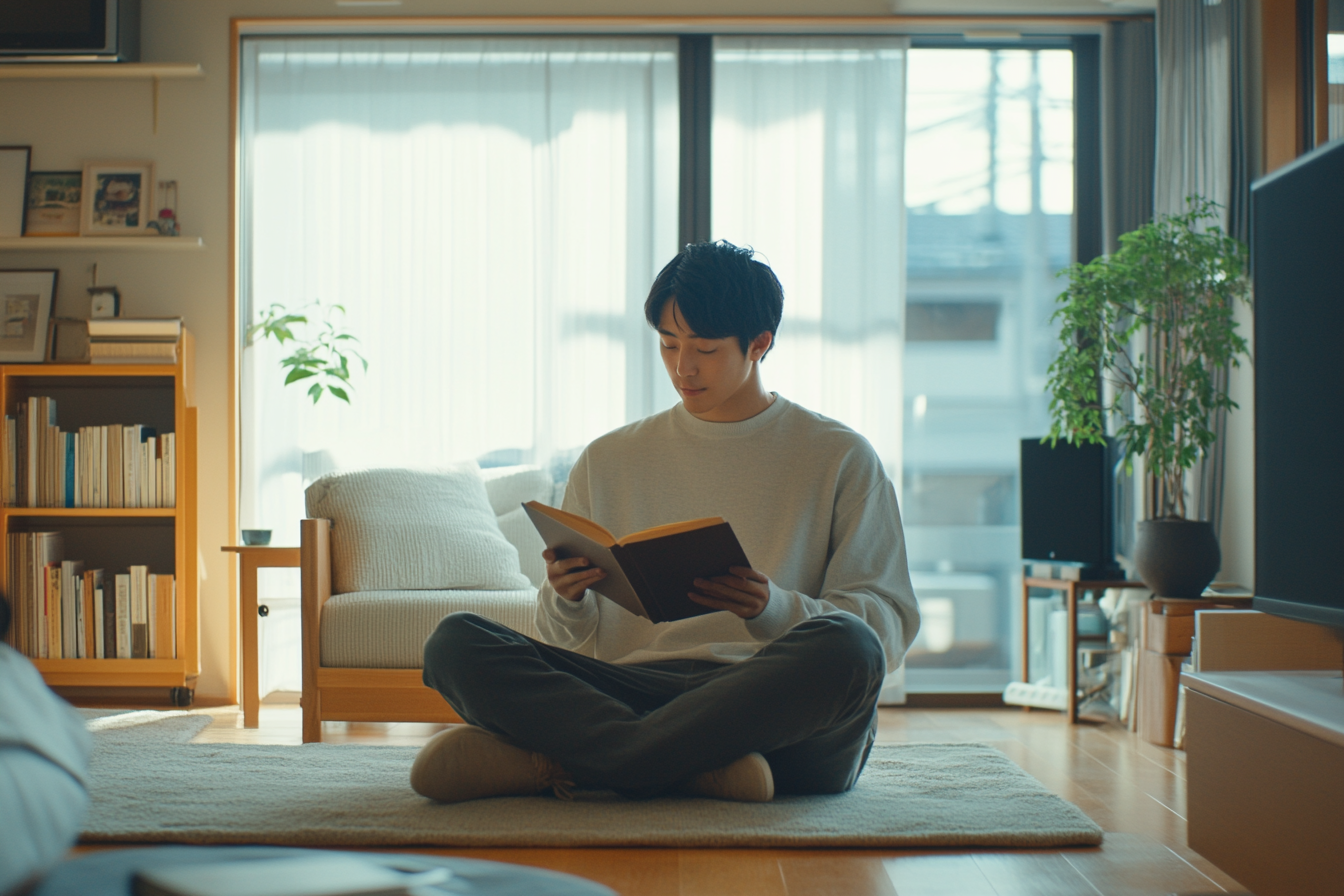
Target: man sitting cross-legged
(776, 692)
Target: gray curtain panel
(1130, 97)
(1129, 143)
(1205, 145)
(1205, 135)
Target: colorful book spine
(93, 466)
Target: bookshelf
(164, 538)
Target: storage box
(1169, 634)
(1159, 687)
(1247, 640)
(1169, 623)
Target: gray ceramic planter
(1176, 557)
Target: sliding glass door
(490, 212)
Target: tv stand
(1265, 777)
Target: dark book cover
(669, 566)
(650, 577)
(109, 624)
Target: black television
(1297, 267)
(1067, 508)
(69, 30)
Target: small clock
(104, 301)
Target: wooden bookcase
(164, 538)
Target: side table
(1071, 588)
(251, 558)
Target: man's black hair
(721, 290)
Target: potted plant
(322, 360)
(1177, 280)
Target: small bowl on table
(256, 537)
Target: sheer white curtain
(808, 162)
(490, 213)
(807, 168)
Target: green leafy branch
(1178, 278)
(323, 359)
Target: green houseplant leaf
(324, 356)
(1178, 279)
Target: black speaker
(1068, 516)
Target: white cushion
(388, 629)
(510, 486)
(418, 530)
(518, 529)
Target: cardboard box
(1247, 640)
(1169, 622)
(1159, 686)
(1169, 634)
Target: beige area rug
(910, 795)
(148, 726)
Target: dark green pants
(807, 701)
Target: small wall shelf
(154, 72)
(50, 71)
(101, 243)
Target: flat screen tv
(1297, 266)
(69, 30)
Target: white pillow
(508, 487)
(414, 530)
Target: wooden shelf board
(98, 71)
(113, 673)
(102, 243)
(107, 666)
(92, 511)
(40, 369)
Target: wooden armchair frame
(342, 694)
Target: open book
(648, 573)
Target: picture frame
(52, 206)
(117, 199)
(26, 298)
(69, 341)
(14, 165)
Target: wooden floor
(1134, 790)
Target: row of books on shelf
(96, 466)
(64, 611)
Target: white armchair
(385, 555)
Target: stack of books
(122, 465)
(63, 611)
(134, 340)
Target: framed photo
(117, 199)
(69, 341)
(25, 306)
(53, 203)
(13, 171)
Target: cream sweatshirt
(807, 498)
